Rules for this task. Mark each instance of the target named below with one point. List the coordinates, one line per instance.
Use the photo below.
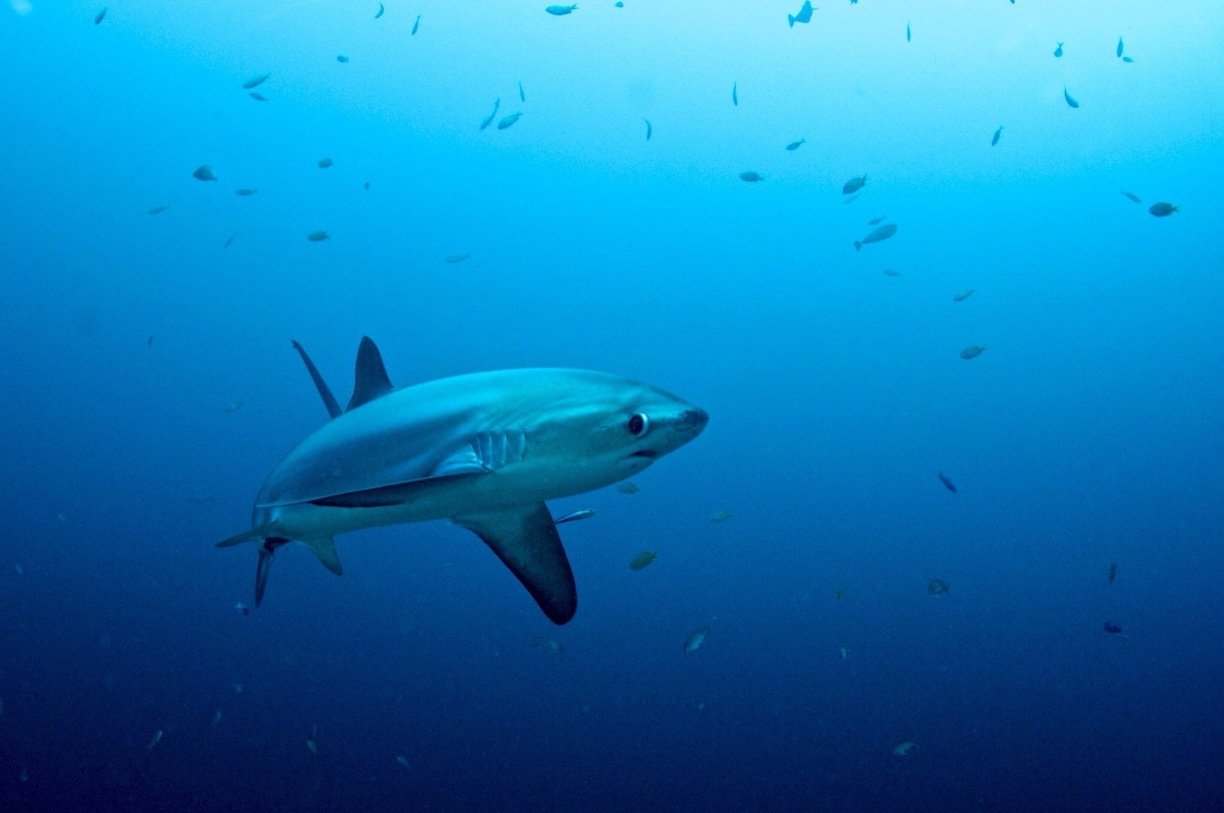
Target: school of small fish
(880, 230)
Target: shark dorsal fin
(329, 400)
(371, 379)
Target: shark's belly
(445, 499)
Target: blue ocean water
(151, 386)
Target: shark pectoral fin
(325, 548)
(526, 540)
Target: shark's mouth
(647, 453)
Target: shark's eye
(639, 424)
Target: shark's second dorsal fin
(329, 400)
(371, 379)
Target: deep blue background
(150, 386)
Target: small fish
(628, 487)
(496, 106)
(839, 594)
(794, 145)
(972, 351)
(995, 139)
(851, 198)
(843, 652)
(312, 742)
(245, 192)
(903, 750)
(255, 81)
(157, 738)
(366, 186)
(233, 406)
(751, 177)
(735, 93)
(649, 129)
(229, 241)
(948, 484)
(217, 716)
(24, 776)
(561, 11)
(522, 95)
(938, 587)
(720, 516)
(454, 259)
(1128, 59)
(888, 272)
(1162, 209)
(854, 184)
(1118, 50)
(694, 641)
(963, 295)
(575, 516)
(242, 608)
(149, 341)
(1071, 102)
(204, 173)
(259, 97)
(550, 645)
(876, 235)
(415, 25)
(508, 121)
(156, 210)
(1058, 52)
(342, 59)
(1132, 197)
(804, 14)
(318, 236)
(1112, 628)
(100, 16)
(381, 10)
(875, 221)
(325, 163)
(908, 34)
(1113, 571)
(643, 560)
(403, 762)
(237, 687)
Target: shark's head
(599, 428)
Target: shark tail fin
(329, 400)
(268, 543)
(264, 565)
(252, 535)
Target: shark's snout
(693, 420)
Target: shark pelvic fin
(325, 548)
(370, 380)
(526, 540)
(329, 400)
